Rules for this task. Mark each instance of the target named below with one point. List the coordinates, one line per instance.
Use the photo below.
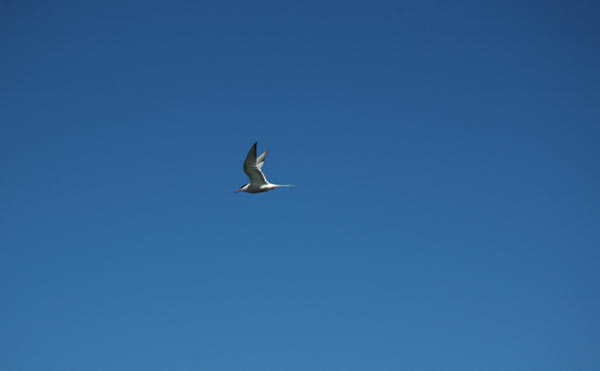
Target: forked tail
(284, 185)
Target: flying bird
(252, 168)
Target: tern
(252, 168)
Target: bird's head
(243, 188)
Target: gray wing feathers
(251, 156)
(252, 166)
(260, 161)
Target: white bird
(252, 168)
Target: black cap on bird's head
(241, 188)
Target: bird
(252, 168)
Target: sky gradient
(446, 208)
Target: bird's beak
(238, 191)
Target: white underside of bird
(253, 168)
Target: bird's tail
(285, 185)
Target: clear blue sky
(445, 215)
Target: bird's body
(252, 188)
(253, 168)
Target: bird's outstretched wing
(253, 166)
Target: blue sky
(446, 208)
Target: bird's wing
(252, 167)
(260, 161)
